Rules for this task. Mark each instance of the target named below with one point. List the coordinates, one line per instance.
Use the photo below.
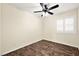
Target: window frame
(74, 26)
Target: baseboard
(63, 43)
(13, 50)
(44, 48)
(29, 44)
(17, 48)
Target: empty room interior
(39, 29)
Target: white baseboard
(17, 48)
(13, 50)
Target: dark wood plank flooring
(45, 48)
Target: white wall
(78, 23)
(20, 28)
(52, 35)
(0, 28)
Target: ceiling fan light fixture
(46, 10)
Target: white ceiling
(30, 7)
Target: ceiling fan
(45, 8)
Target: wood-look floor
(45, 48)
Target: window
(60, 25)
(65, 25)
(69, 25)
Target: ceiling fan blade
(42, 4)
(54, 7)
(37, 11)
(50, 13)
(46, 7)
